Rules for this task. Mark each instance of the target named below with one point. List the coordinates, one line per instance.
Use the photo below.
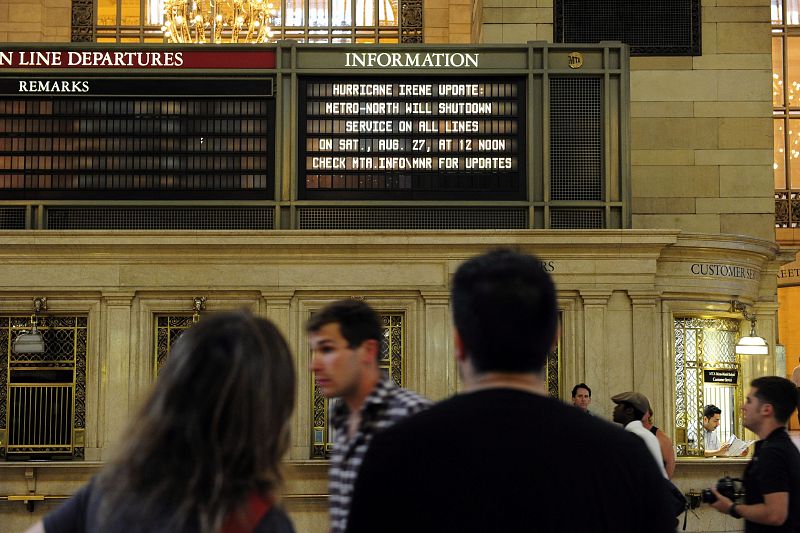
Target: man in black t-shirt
(772, 478)
(502, 456)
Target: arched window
(318, 21)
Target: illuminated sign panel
(412, 138)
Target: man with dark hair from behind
(346, 338)
(502, 456)
(582, 396)
(772, 477)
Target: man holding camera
(772, 478)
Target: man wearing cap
(631, 407)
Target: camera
(725, 486)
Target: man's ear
(767, 409)
(458, 346)
(369, 352)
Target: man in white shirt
(711, 415)
(631, 407)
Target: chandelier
(217, 21)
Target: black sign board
(102, 136)
(37, 86)
(412, 138)
(725, 377)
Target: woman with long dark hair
(203, 454)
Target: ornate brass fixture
(217, 21)
(752, 344)
(199, 304)
(32, 341)
(43, 395)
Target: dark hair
(710, 410)
(358, 322)
(581, 386)
(213, 430)
(504, 309)
(779, 392)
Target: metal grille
(12, 218)
(160, 218)
(576, 139)
(787, 209)
(553, 365)
(411, 218)
(651, 28)
(701, 344)
(390, 363)
(576, 218)
(43, 395)
(44, 417)
(168, 329)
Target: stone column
(650, 365)
(595, 363)
(435, 374)
(115, 366)
(276, 307)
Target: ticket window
(707, 371)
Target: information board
(412, 138)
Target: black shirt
(79, 514)
(775, 467)
(504, 460)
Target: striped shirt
(384, 406)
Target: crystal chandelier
(217, 21)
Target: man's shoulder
(405, 402)
(780, 449)
(485, 409)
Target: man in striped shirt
(346, 338)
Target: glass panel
(294, 13)
(106, 12)
(793, 151)
(365, 12)
(317, 12)
(793, 61)
(777, 71)
(153, 11)
(777, 15)
(341, 15)
(388, 12)
(779, 164)
(131, 10)
(793, 12)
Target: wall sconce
(751, 344)
(31, 341)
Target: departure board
(143, 137)
(412, 138)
